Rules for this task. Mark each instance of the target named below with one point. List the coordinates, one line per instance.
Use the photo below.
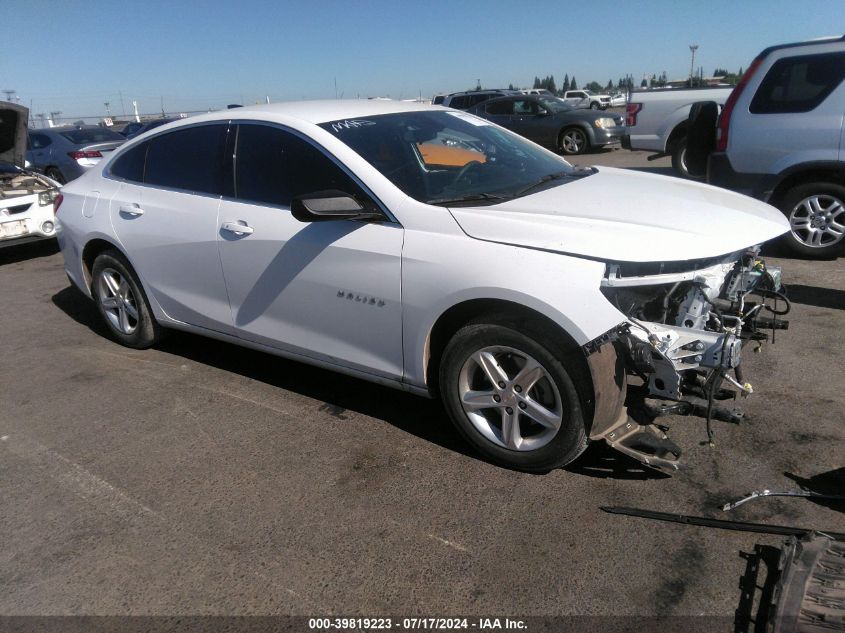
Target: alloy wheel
(118, 301)
(818, 221)
(510, 398)
(573, 141)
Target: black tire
(797, 241)
(570, 149)
(679, 162)
(55, 174)
(146, 331)
(567, 442)
(595, 105)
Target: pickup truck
(657, 120)
(586, 99)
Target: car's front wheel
(122, 303)
(511, 397)
(573, 140)
(595, 105)
(816, 213)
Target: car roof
(317, 112)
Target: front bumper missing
(686, 369)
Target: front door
(328, 290)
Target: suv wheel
(595, 105)
(816, 213)
(511, 397)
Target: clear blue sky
(73, 56)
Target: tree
(536, 82)
(594, 86)
(609, 85)
(720, 72)
(550, 85)
(644, 83)
(573, 85)
(565, 85)
(510, 87)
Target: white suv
(780, 138)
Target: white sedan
(429, 250)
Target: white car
(26, 197)
(587, 99)
(429, 250)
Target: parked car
(466, 100)
(65, 153)
(540, 92)
(428, 250)
(146, 126)
(618, 100)
(781, 138)
(26, 197)
(586, 99)
(130, 128)
(552, 123)
(657, 121)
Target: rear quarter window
(798, 84)
(130, 164)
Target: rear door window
(190, 159)
(500, 107)
(274, 166)
(798, 84)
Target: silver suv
(780, 138)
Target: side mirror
(322, 206)
(543, 113)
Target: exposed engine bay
(687, 325)
(17, 182)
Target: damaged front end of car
(687, 323)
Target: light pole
(692, 48)
(108, 110)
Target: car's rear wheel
(679, 160)
(573, 140)
(55, 174)
(816, 213)
(122, 302)
(511, 397)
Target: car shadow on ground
(412, 414)
(816, 296)
(14, 253)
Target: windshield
(555, 105)
(84, 136)
(446, 157)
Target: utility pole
(692, 48)
(9, 94)
(122, 107)
(108, 110)
(162, 106)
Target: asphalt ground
(203, 478)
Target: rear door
(168, 226)
(328, 290)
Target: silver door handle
(237, 228)
(131, 209)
